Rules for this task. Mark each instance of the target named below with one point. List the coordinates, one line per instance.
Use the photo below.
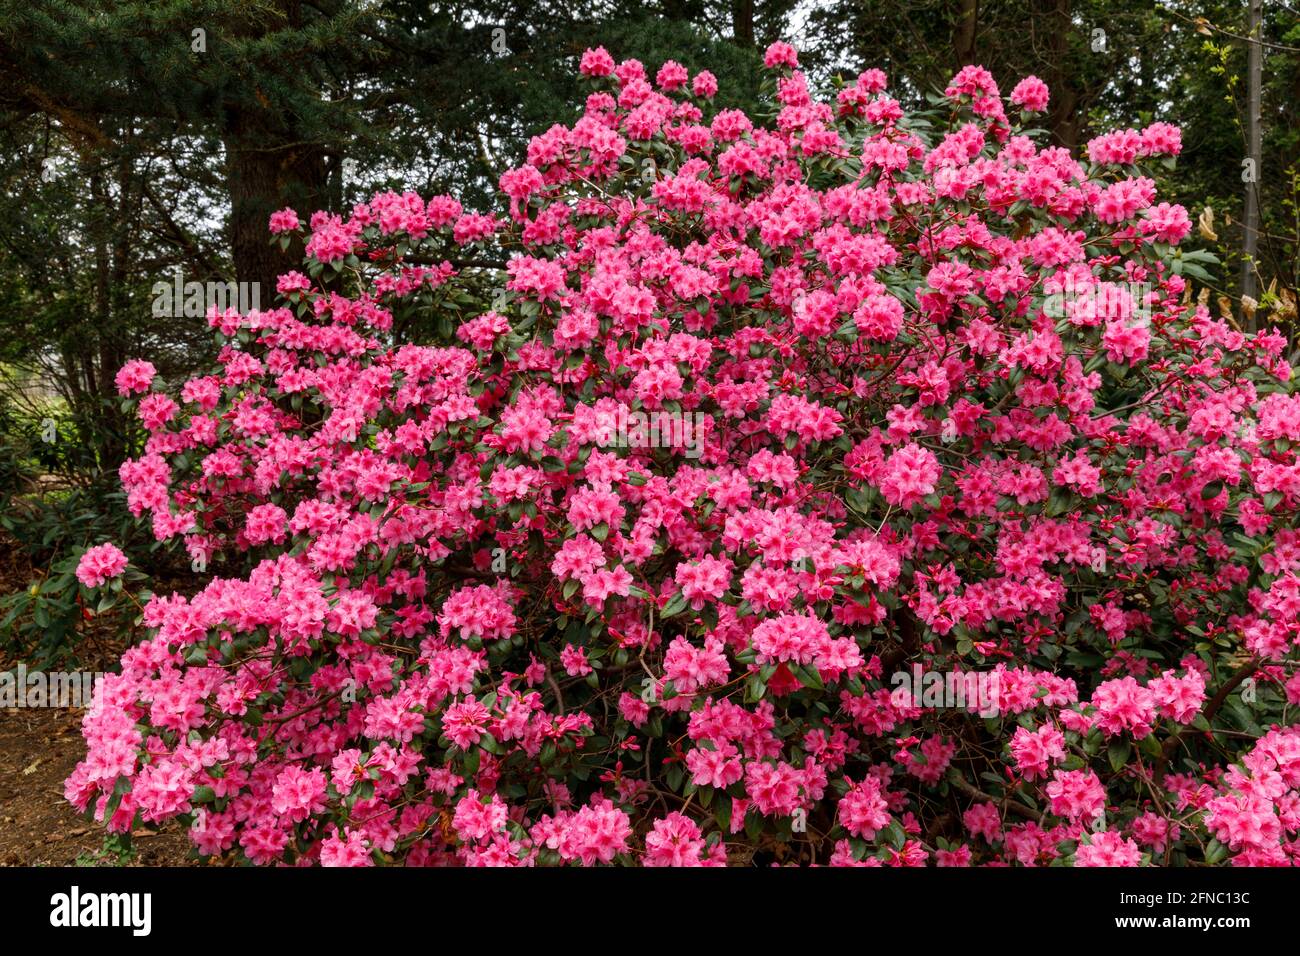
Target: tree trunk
(742, 22)
(965, 33)
(1064, 115)
(265, 173)
(1250, 222)
(103, 356)
(680, 9)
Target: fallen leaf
(1206, 224)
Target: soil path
(39, 746)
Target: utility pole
(1255, 75)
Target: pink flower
(265, 523)
(982, 820)
(1162, 139)
(1107, 849)
(134, 377)
(673, 841)
(477, 611)
(284, 220)
(1124, 705)
(704, 581)
(348, 850)
(1154, 831)
(1179, 698)
(1030, 94)
(1035, 751)
(465, 722)
(690, 668)
(774, 788)
(671, 76)
(596, 834)
(574, 661)
(909, 475)
(1169, 222)
(863, 811)
(705, 85)
(1077, 794)
(780, 54)
(879, 317)
(100, 564)
(297, 793)
(597, 62)
(157, 410)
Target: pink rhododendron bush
(839, 486)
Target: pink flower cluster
(759, 420)
(100, 564)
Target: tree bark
(104, 352)
(1064, 113)
(965, 33)
(263, 174)
(681, 9)
(1250, 221)
(742, 22)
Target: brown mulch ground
(39, 746)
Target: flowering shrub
(766, 417)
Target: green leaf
(676, 604)
(894, 835)
(1118, 752)
(1215, 852)
(808, 676)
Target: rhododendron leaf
(894, 835)
(1084, 659)
(1195, 271)
(808, 677)
(1118, 751)
(676, 604)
